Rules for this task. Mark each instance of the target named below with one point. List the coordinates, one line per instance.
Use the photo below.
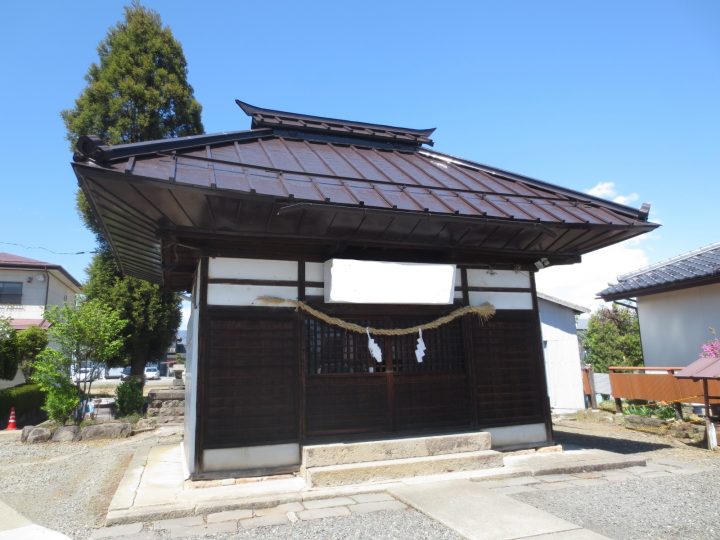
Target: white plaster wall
(517, 435)
(191, 361)
(220, 294)
(562, 357)
(498, 278)
(502, 300)
(674, 324)
(252, 269)
(60, 291)
(33, 293)
(251, 457)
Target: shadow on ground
(574, 441)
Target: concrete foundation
(343, 454)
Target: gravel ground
(400, 525)
(68, 486)
(674, 507)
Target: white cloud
(602, 189)
(580, 283)
(607, 190)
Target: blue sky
(622, 98)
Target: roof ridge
(19, 259)
(272, 118)
(671, 260)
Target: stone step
(345, 453)
(392, 469)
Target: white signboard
(375, 282)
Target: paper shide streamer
(374, 348)
(483, 312)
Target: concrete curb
(121, 509)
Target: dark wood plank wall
(252, 378)
(259, 389)
(509, 387)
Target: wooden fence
(659, 384)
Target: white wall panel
(502, 300)
(498, 278)
(314, 291)
(251, 457)
(314, 271)
(220, 294)
(252, 269)
(516, 435)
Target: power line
(49, 250)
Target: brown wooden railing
(658, 385)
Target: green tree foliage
(31, 342)
(129, 397)
(137, 91)
(8, 349)
(82, 336)
(153, 316)
(613, 339)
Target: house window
(330, 349)
(11, 292)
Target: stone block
(277, 518)
(319, 513)
(280, 509)
(343, 454)
(114, 430)
(378, 506)
(25, 432)
(372, 497)
(327, 503)
(177, 523)
(66, 434)
(224, 527)
(358, 473)
(117, 531)
(230, 515)
(38, 435)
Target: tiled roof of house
(8, 260)
(698, 267)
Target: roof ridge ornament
(270, 118)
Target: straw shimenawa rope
(484, 311)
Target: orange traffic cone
(11, 423)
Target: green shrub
(129, 397)
(51, 376)
(25, 398)
(8, 350)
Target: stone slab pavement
(479, 513)
(473, 505)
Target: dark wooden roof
(320, 187)
(699, 267)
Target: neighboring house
(27, 288)
(330, 213)
(562, 352)
(678, 301)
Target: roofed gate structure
(327, 213)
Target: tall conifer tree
(137, 91)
